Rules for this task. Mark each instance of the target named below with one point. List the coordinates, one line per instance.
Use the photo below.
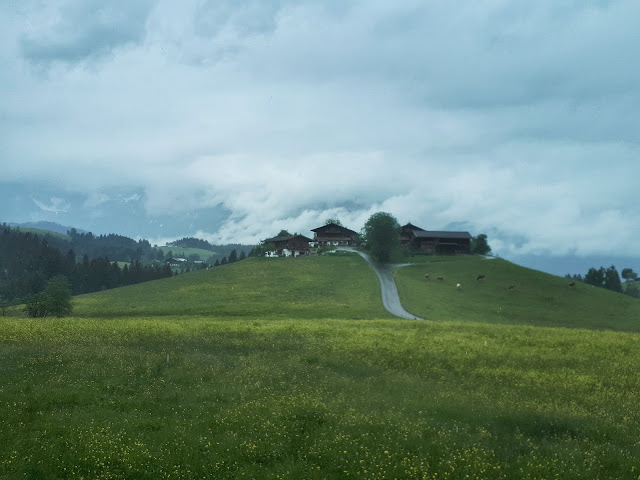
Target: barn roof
(441, 234)
(410, 226)
(285, 238)
(334, 225)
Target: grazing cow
(511, 287)
(481, 277)
(458, 286)
(440, 278)
(426, 276)
(572, 284)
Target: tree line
(609, 278)
(28, 261)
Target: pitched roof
(285, 238)
(344, 229)
(441, 234)
(410, 226)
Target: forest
(29, 260)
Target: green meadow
(538, 299)
(184, 252)
(290, 368)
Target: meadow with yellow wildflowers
(286, 396)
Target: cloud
(73, 32)
(517, 119)
(56, 205)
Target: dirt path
(388, 289)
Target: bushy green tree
(55, 300)
(629, 275)
(480, 245)
(335, 220)
(283, 233)
(261, 249)
(233, 256)
(381, 235)
(632, 290)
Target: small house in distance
(333, 234)
(177, 262)
(440, 242)
(289, 246)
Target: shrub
(55, 300)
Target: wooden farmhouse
(332, 234)
(177, 262)
(406, 234)
(440, 242)
(289, 246)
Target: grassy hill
(290, 368)
(539, 299)
(308, 287)
(41, 232)
(183, 252)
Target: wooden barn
(441, 242)
(406, 234)
(289, 246)
(332, 234)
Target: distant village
(334, 235)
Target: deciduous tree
(480, 245)
(55, 300)
(381, 234)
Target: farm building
(406, 234)
(289, 246)
(332, 234)
(177, 262)
(441, 242)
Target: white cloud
(517, 118)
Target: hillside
(335, 287)
(539, 299)
(290, 368)
(185, 252)
(44, 233)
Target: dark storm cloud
(86, 30)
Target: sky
(233, 119)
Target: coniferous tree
(612, 279)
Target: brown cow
(481, 277)
(426, 276)
(440, 278)
(511, 287)
(572, 284)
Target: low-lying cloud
(515, 119)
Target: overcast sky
(520, 119)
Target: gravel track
(388, 289)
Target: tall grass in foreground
(162, 398)
(538, 298)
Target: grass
(539, 299)
(43, 233)
(182, 252)
(336, 287)
(290, 368)
(199, 397)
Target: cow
(440, 278)
(426, 276)
(481, 277)
(511, 287)
(572, 284)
